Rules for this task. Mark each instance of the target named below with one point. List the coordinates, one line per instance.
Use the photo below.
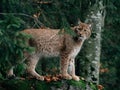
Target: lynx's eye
(85, 30)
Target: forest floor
(33, 84)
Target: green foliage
(20, 69)
(110, 47)
(13, 43)
(45, 67)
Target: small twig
(44, 2)
(38, 22)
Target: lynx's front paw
(76, 78)
(40, 78)
(67, 76)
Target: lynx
(48, 42)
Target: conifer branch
(37, 22)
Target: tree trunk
(93, 46)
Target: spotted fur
(49, 42)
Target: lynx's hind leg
(31, 65)
(10, 73)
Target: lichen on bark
(93, 45)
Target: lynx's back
(48, 42)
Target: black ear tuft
(79, 21)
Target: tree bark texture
(93, 46)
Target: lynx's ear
(89, 25)
(79, 21)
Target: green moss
(94, 87)
(80, 83)
(34, 84)
(41, 85)
(57, 84)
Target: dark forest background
(17, 15)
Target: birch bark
(93, 46)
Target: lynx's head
(82, 31)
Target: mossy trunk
(93, 45)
